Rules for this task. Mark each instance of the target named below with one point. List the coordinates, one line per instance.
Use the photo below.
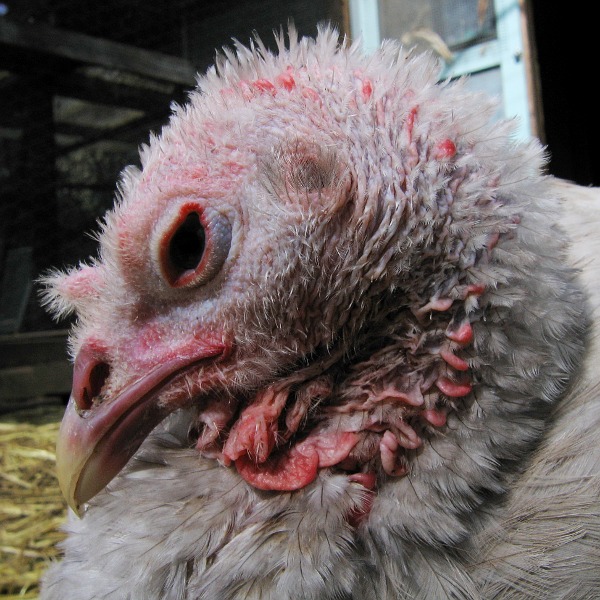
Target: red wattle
(297, 466)
(462, 335)
(454, 361)
(284, 472)
(451, 389)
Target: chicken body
(361, 327)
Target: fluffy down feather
(378, 367)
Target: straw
(32, 508)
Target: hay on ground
(32, 508)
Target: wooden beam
(99, 91)
(136, 131)
(18, 349)
(92, 89)
(85, 133)
(43, 40)
(30, 381)
(34, 364)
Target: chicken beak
(93, 448)
(95, 443)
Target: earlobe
(307, 175)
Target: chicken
(340, 341)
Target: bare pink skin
(445, 149)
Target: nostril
(90, 374)
(96, 380)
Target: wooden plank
(81, 88)
(79, 48)
(131, 131)
(35, 380)
(20, 349)
(87, 136)
(99, 91)
(34, 364)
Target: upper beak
(97, 439)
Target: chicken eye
(195, 246)
(187, 244)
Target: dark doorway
(568, 73)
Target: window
(480, 38)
